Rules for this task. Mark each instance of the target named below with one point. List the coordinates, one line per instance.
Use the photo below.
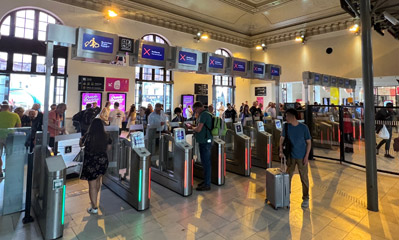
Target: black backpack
(88, 116)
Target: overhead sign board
(149, 54)
(256, 70)
(201, 89)
(95, 46)
(326, 81)
(260, 91)
(184, 59)
(334, 81)
(273, 72)
(212, 64)
(236, 67)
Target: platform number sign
(126, 44)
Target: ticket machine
(262, 150)
(238, 151)
(174, 169)
(131, 181)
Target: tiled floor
(234, 211)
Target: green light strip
(63, 206)
(140, 180)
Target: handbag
(287, 143)
(384, 134)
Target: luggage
(277, 187)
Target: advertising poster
(90, 97)
(117, 85)
(334, 95)
(260, 101)
(187, 100)
(118, 97)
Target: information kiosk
(132, 180)
(174, 169)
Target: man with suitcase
(300, 145)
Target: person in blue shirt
(299, 136)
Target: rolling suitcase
(277, 187)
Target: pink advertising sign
(118, 97)
(90, 97)
(260, 100)
(117, 85)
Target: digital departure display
(153, 52)
(259, 69)
(187, 58)
(216, 62)
(238, 66)
(275, 71)
(97, 43)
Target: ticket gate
(68, 147)
(238, 149)
(218, 162)
(262, 149)
(48, 193)
(173, 167)
(322, 135)
(274, 127)
(131, 179)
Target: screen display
(118, 97)
(325, 79)
(333, 80)
(259, 69)
(187, 58)
(278, 124)
(179, 135)
(238, 128)
(97, 43)
(138, 140)
(153, 52)
(216, 62)
(188, 100)
(275, 71)
(261, 126)
(238, 66)
(88, 97)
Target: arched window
(223, 86)
(154, 85)
(22, 58)
(27, 23)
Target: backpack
(218, 127)
(396, 144)
(88, 116)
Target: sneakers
(203, 188)
(389, 156)
(305, 203)
(92, 210)
(1, 175)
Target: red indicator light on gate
(246, 159)
(149, 184)
(185, 174)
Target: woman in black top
(179, 117)
(95, 163)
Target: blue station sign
(153, 52)
(97, 43)
(187, 58)
(216, 62)
(239, 66)
(259, 69)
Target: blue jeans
(205, 153)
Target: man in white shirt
(157, 119)
(221, 110)
(116, 117)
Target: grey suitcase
(277, 188)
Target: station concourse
(182, 119)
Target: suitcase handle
(283, 164)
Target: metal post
(278, 90)
(369, 124)
(306, 94)
(28, 200)
(49, 63)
